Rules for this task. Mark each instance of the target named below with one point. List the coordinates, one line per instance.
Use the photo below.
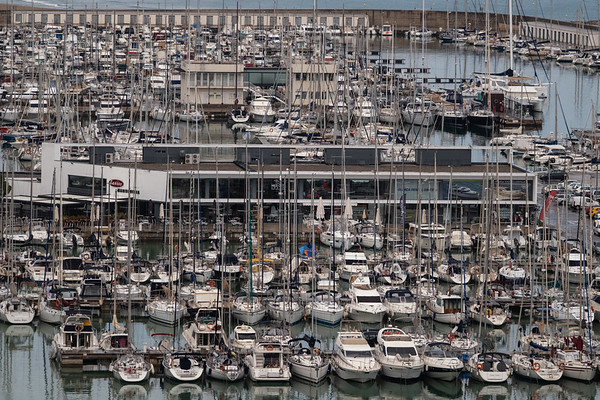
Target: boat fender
(561, 366)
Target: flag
(549, 199)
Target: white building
(314, 83)
(576, 36)
(208, 83)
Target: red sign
(116, 183)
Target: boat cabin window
(434, 352)
(271, 360)
(77, 340)
(358, 353)
(368, 299)
(451, 305)
(400, 298)
(246, 336)
(400, 351)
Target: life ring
(316, 352)
(271, 130)
(211, 283)
(210, 325)
(561, 366)
(479, 365)
(536, 366)
(57, 303)
(78, 328)
(86, 256)
(28, 150)
(269, 347)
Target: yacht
(369, 238)
(306, 361)
(204, 333)
(353, 359)
(260, 110)
(131, 368)
(365, 302)
(575, 364)
(182, 367)
(354, 263)
(224, 365)
(282, 308)
(400, 303)
(167, 312)
(489, 367)
(75, 334)
(16, 311)
(325, 309)
(397, 354)
(430, 236)
(441, 362)
(248, 312)
(535, 368)
(244, 339)
(53, 306)
(340, 239)
(267, 362)
(454, 272)
(446, 308)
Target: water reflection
(354, 390)
(439, 389)
(184, 391)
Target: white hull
(249, 317)
(401, 372)
(227, 375)
(311, 373)
(354, 374)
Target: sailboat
(16, 311)
(306, 361)
(182, 367)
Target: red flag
(549, 200)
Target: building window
(221, 20)
(209, 20)
(273, 21)
(159, 20)
(361, 22)
(57, 19)
(184, 20)
(18, 18)
(205, 79)
(121, 19)
(133, 19)
(146, 20)
(298, 21)
(286, 21)
(324, 21)
(234, 20)
(82, 19)
(44, 18)
(69, 19)
(107, 19)
(171, 20)
(336, 21)
(348, 21)
(261, 21)
(247, 20)
(196, 20)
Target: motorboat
(261, 110)
(244, 339)
(75, 334)
(447, 308)
(182, 367)
(267, 362)
(494, 314)
(353, 358)
(131, 368)
(400, 303)
(489, 367)
(454, 272)
(53, 306)
(441, 362)
(354, 263)
(204, 333)
(365, 302)
(390, 272)
(239, 115)
(398, 355)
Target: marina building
(222, 19)
(313, 83)
(571, 34)
(447, 182)
(209, 83)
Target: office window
(44, 18)
(209, 20)
(196, 20)
(107, 19)
(159, 20)
(121, 19)
(171, 20)
(298, 21)
(324, 21)
(18, 18)
(247, 20)
(349, 21)
(221, 21)
(69, 19)
(273, 21)
(184, 20)
(57, 19)
(146, 20)
(133, 19)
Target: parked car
(581, 201)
